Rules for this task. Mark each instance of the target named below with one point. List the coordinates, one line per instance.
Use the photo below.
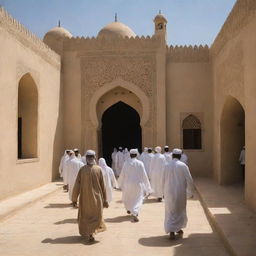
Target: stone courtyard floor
(48, 227)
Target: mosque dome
(57, 33)
(116, 29)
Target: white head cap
(134, 151)
(158, 149)
(177, 151)
(90, 153)
(145, 149)
(166, 147)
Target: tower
(160, 25)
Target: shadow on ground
(119, 219)
(68, 240)
(58, 206)
(66, 221)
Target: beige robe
(91, 190)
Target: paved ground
(49, 227)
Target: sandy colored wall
(234, 61)
(189, 91)
(19, 57)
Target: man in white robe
(147, 161)
(113, 157)
(143, 155)
(167, 154)
(178, 185)
(156, 174)
(65, 171)
(242, 161)
(119, 161)
(77, 154)
(184, 158)
(109, 178)
(134, 184)
(74, 166)
(126, 154)
(63, 158)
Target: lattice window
(192, 135)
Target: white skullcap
(90, 153)
(177, 151)
(120, 148)
(166, 146)
(158, 149)
(145, 148)
(76, 149)
(134, 151)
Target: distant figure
(126, 154)
(119, 161)
(91, 190)
(178, 184)
(147, 160)
(113, 157)
(242, 161)
(156, 174)
(184, 158)
(63, 159)
(167, 154)
(77, 154)
(143, 155)
(135, 185)
(83, 158)
(65, 171)
(109, 178)
(74, 165)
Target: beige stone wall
(23, 53)
(233, 57)
(189, 91)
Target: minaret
(160, 25)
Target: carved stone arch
(123, 84)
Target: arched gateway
(120, 105)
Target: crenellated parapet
(109, 44)
(238, 18)
(27, 38)
(188, 53)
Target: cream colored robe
(91, 190)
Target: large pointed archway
(120, 127)
(232, 141)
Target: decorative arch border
(123, 84)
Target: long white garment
(126, 154)
(74, 166)
(134, 184)
(113, 157)
(65, 170)
(119, 162)
(63, 158)
(143, 155)
(109, 178)
(147, 162)
(178, 185)
(168, 156)
(156, 174)
(184, 158)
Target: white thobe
(142, 156)
(119, 162)
(65, 170)
(178, 185)
(147, 162)
(113, 157)
(156, 174)
(63, 159)
(83, 159)
(109, 180)
(168, 156)
(184, 158)
(74, 166)
(134, 184)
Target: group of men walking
(140, 176)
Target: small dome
(160, 17)
(116, 29)
(58, 33)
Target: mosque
(118, 89)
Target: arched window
(27, 118)
(192, 134)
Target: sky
(190, 22)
